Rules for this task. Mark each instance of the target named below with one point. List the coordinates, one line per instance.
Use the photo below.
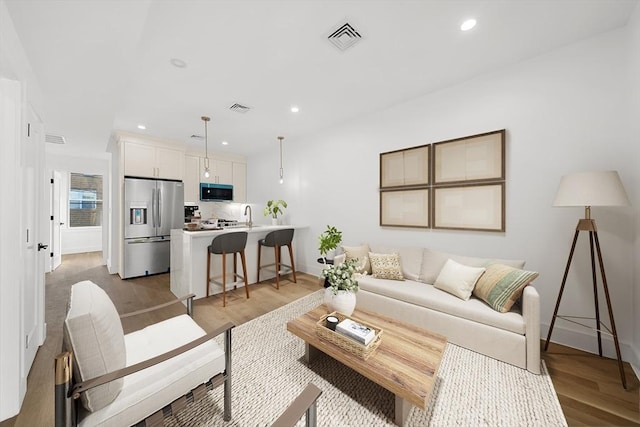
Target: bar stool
(277, 239)
(228, 243)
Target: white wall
(634, 78)
(565, 111)
(89, 239)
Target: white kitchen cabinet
(152, 161)
(220, 171)
(191, 179)
(239, 182)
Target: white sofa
(512, 337)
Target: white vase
(274, 221)
(343, 302)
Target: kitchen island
(189, 259)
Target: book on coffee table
(357, 331)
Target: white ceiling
(104, 65)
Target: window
(85, 200)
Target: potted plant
(328, 242)
(341, 294)
(274, 208)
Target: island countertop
(189, 258)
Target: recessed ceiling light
(143, 127)
(295, 109)
(468, 24)
(225, 143)
(178, 63)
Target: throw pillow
(93, 332)
(385, 266)
(458, 279)
(501, 286)
(361, 253)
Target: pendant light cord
(281, 169)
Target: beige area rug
(268, 373)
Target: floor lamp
(591, 189)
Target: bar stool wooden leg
(259, 252)
(244, 271)
(224, 279)
(235, 267)
(208, 271)
(293, 265)
(277, 251)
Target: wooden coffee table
(406, 362)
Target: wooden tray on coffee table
(346, 343)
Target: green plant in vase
(274, 208)
(329, 241)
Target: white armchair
(108, 378)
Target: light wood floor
(588, 387)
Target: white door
(56, 221)
(31, 212)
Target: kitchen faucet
(250, 223)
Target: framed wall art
(405, 208)
(408, 167)
(456, 184)
(470, 159)
(470, 207)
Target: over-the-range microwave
(216, 192)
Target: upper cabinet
(152, 161)
(239, 182)
(191, 179)
(220, 171)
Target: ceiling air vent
(54, 139)
(239, 108)
(344, 37)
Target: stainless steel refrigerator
(152, 208)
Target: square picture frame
(475, 158)
(479, 207)
(405, 208)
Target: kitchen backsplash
(226, 210)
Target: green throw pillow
(500, 286)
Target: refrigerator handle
(153, 206)
(159, 205)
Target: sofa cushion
(410, 259)
(433, 261)
(428, 296)
(93, 332)
(458, 279)
(385, 266)
(500, 286)
(361, 253)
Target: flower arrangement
(275, 207)
(341, 276)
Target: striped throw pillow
(500, 286)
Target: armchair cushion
(93, 332)
(152, 388)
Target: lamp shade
(591, 189)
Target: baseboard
(588, 341)
(635, 363)
(81, 250)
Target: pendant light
(281, 170)
(206, 119)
